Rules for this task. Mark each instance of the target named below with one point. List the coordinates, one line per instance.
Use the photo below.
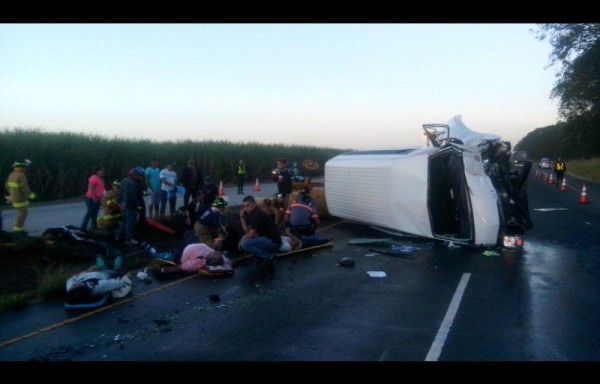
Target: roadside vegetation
(62, 162)
(588, 169)
(576, 138)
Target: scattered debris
(142, 275)
(346, 262)
(376, 273)
(371, 254)
(490, 253)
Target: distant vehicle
(545, 163)
(458, 190)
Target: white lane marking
(436, 347)
(550, 209)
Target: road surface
(445, 304)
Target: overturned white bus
(459, 189)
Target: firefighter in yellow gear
(19, 194)
(111, 207)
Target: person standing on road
(93, 198)
(128, 199)
(283, 177)
(191, 179)
(560, 168)
(240, 175)
(153, 182)
(168, 178)
(19, 194)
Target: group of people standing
(125, 198)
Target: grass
(52, 281)
(14, 300)
(588, 169)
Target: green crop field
(62, 162)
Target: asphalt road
(443, 303)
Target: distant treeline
(62, 162)
(572, 140)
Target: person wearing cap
(168, 178)
(209, 227)
(19, 194)
(110, 207)
(93, 198)
(128, 199)
(192, 180)
(305, 197)
(301, 221)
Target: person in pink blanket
(195, 256)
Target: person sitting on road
(89, 285)
(261, 237)
(302, 221)
(209, 227)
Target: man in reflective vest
(559, 168)
(19, 194)
(241, 177)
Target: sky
(349, 86)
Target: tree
(576, 47)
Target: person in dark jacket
(210, 191)
(129, 200)
(191, 179)
(283, 177)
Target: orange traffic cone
(257, 186)
(551, 179)
(545, 177)
(221, 189)
(583, 199)
(563, 186)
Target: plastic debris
(490, 253)
(452, 245)
(346, 262)
(402, 248)
(142, 275)
(370, 254)
(376, 273)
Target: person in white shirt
(168, 186)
